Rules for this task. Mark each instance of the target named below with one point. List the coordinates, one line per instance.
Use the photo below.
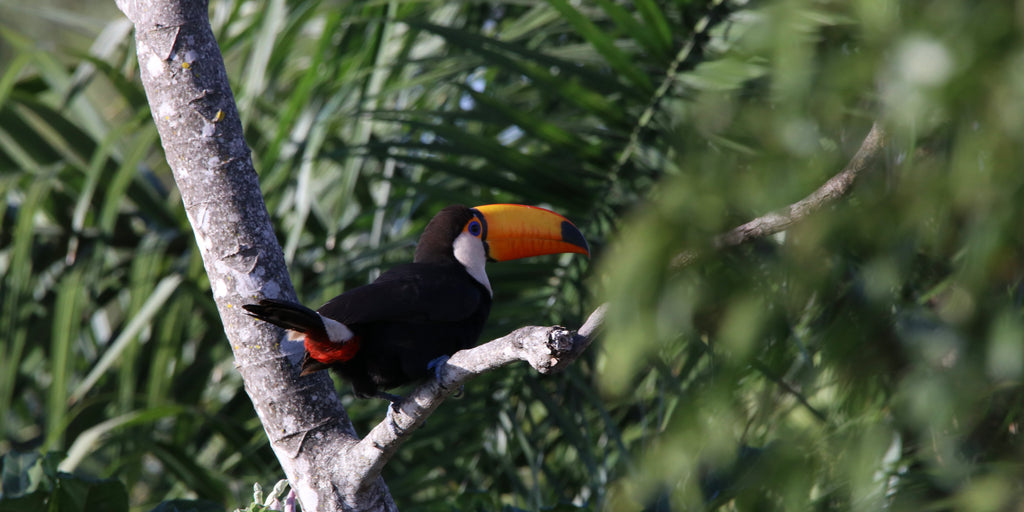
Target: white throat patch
(469, 250)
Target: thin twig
(835, 188)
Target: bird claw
(436, 364)
(394, 408)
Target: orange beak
(513, 231)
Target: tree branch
(546, 349)
(835, 188)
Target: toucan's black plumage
(386, 334)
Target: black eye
(474, 228)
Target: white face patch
(336, 331)
(469, 250)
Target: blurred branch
(835, 188)
(787, 387)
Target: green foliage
(868, 357)
(33, 482)
(870, 346)
(188, 506)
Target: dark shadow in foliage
(188, 506)
(32, 482)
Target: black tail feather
(289, 315)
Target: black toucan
(394, 330)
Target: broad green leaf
(149, 310)
(89, 441)
(618, 60)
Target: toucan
(397, 329)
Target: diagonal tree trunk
(185, 81)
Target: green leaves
(187, 506)
(832, 338)
(32, 482)
(100, 327)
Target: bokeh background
(868, 358)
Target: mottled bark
(194, 110)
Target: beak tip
(572, 235)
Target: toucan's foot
(436, 364)
(393, 410)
